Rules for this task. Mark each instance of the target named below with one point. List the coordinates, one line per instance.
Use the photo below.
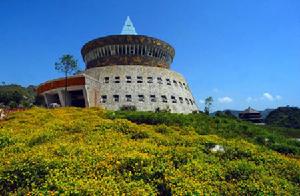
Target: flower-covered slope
(86, 151)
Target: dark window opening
(117, 79)
(116, 98)
(159, 80)
(164, 99)
(106, 80)
(77, 98)
(103, 99)
(150, 79)
(141, 98)
(168, 81)
(152, 98)
(139, 79)
(173, 98)
(128, 98)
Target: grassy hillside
(285, 117)
(88, 151)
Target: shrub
(240, 170)
(128, 108)
(25, 174)
(5, 141)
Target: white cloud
(201, 101)
(278, 97)
(225, 100)
(268, 96)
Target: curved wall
(145, 87)
(127, 50)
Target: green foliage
(221, 125)
(66, 64)
(5, 141)
(128, 108)
(15, 95)
(73, 151)
(208, 104)
(284, 117)
(23, 176)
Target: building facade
(124, 70)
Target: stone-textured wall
(178, 89)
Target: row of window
(128, 49)
(139, 79)
(152, 98)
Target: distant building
(251, 115)
(124, 70)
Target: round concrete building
(126, 70)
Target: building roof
(128, 28)
(249, 110)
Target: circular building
(125, 71)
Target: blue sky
(242, 53)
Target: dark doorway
(53, 98)
(77, 98)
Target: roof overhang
(61, 82)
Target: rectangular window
(150, 79)
(164, 99)
(116, 98)
(175, 82)
(106, 80)
(173, 98)
(141, 98)
(128, 98)
(180, 99)
(187, 101)
(168, 81)
(180, 84)
(139, 79)
(128, 79)
(152, 98)
(117, 79)
(103, 99)
(159, 80)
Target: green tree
(68, 65)
(208, 104)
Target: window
(141, 98)
(159, 80)
(106, 80)
(152, 98)
(150, 79)
(139, 79)
(117, 79)
(103, 99)
(180, 99)
(116, 98)
(128, 79)
(168, 81)
(191, 102)
(132, 49)
(175, 82)
(164, 99)
(173, 98)
(150, 52)
(128, 98)
(187, 101)
(180, 84)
